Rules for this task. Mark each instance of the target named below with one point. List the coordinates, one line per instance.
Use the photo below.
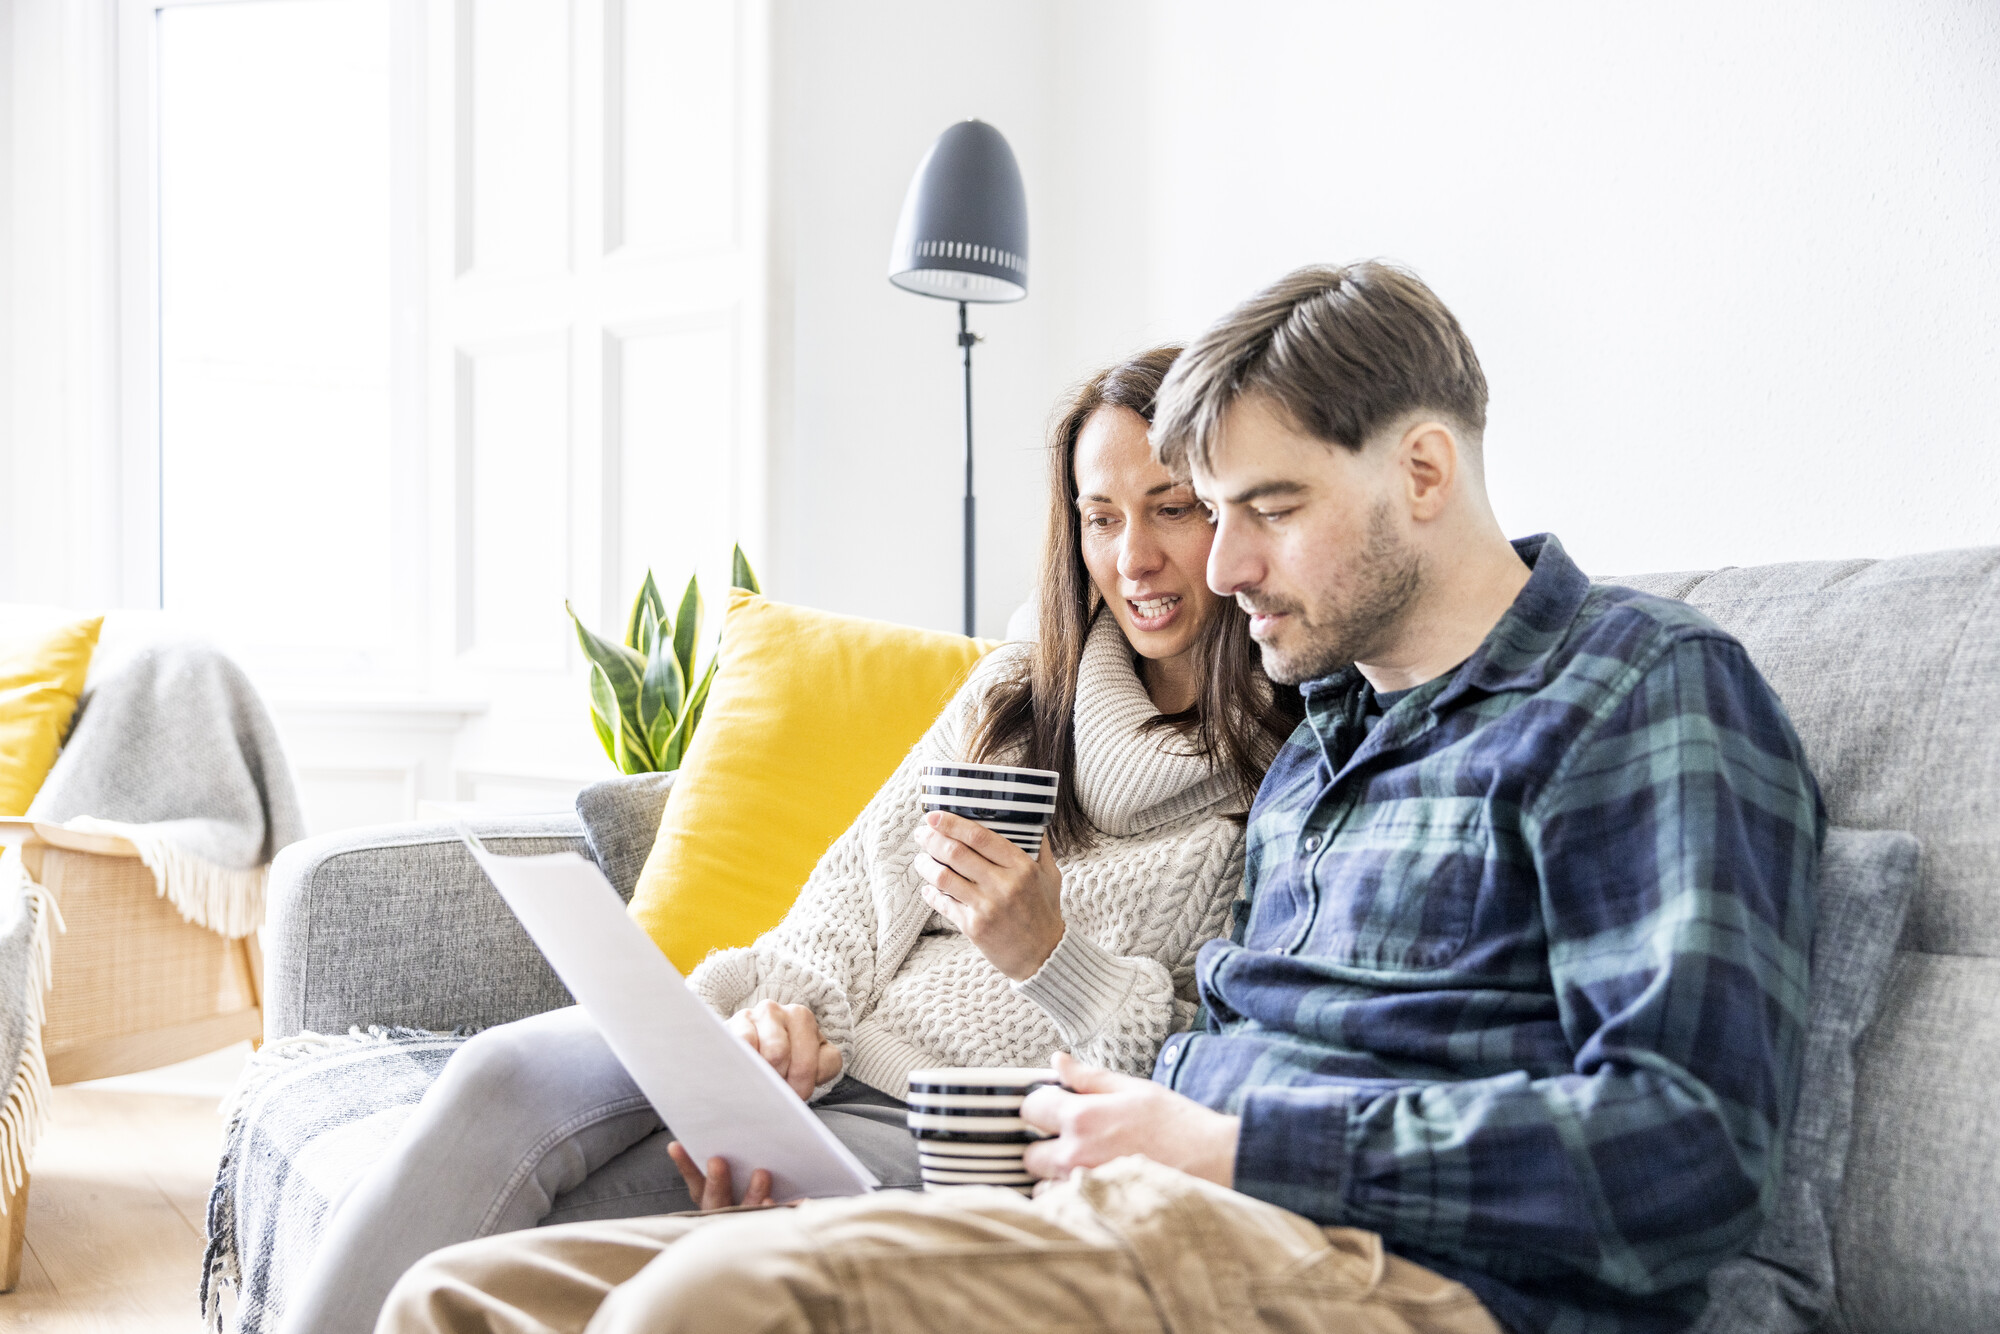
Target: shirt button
(1312, 843)
(1171, 1054)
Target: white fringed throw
(27, 914)
(175, 753)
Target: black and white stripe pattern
(1014, 802)
(968, 1125)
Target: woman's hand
(788, 1037)
(1005, 904)
(711, 1189)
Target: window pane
(275, 326)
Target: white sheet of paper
(720, 1098)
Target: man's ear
(1429, 458)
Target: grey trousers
(531, 1123)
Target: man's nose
(1232, 564)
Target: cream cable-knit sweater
(897, 987)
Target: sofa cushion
(44, 657)
(1890, 671)
(621, 818)
(1784, 1283)
(810, 714)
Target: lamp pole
(966, 338)
(963, 236)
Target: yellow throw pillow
(809, 714)
(44, 657)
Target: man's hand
(1008, 906)
(788, 1037)
(1098, 1115)
(711, 1189)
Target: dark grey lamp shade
(963, 235)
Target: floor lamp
(963, 237)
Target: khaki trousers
(1130, 1246)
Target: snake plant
(641, 703)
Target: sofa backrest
(1890, 670)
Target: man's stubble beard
(1358, 614)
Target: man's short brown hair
(1343, 351)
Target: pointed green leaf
(623, 671)
(603, 709)
(699, 699)
(675, 749)
(687, 627)
(611, 726)
(739, 572)
(660, 699)
(649, 634)
(635, 754)
(649, 596)
(628, 763)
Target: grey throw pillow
(620, 818)
(1783, 1284)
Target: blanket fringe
(224, 899)
(25, 1113)
(220, 1267)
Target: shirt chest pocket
(1398, 884)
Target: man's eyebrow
(1263, 489)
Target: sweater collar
(1131, 779)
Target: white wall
(1731, 269)
(866, 462)
(866, 479)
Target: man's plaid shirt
(1520, 978)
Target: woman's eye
(1097, 520)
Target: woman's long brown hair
(1238, 716)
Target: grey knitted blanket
(310, 1115)
(175, 752)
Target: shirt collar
(1514, 654)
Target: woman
(918, 940)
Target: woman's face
(1145, 539)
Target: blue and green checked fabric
(1520, 981)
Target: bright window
(277, 440)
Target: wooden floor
(116, 1209)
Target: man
(1508, 1032)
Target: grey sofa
(1891, 672)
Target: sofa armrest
(398, 925)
